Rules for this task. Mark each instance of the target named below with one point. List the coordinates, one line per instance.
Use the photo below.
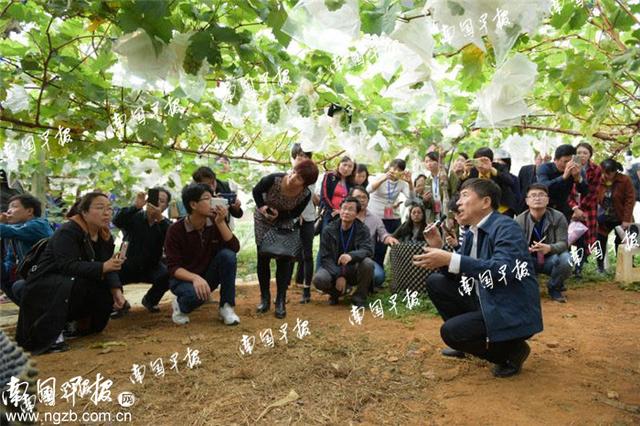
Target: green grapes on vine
(190, 64)
(304, 106)
(273, 111)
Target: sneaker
(228, 315)
(178, 317)
(151, 308)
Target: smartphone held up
(122, 253)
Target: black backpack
(30, 262)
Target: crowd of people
(487, 234)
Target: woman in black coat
(75, 279)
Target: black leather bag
(281, 243)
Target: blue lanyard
(537, 229)
(346, 246)
(391, 192)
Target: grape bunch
(273, 111)
(334, 5)
(190, 64)
(344, 121)
(236, 92)
(304, 106)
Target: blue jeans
(378, 274)
(557, 267)
(221, 271)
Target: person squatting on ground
(545, 229)
(345, 256)
(201, 255)
(75, 279)
(491, 320)
(20, 228)
(379, 233)
(145, 231)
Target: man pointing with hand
(487, 292)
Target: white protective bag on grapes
(501, 102)
(465, 22)
(328, 25)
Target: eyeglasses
(103, 208)
(537, 196)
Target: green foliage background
(588, 61)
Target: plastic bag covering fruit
(17, 99)
(313, 132)
(521, 149)
(502, 21)
(416, 36)
(139, 67)
(312, 23)
(502, 100)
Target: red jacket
(624, 197)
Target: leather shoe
(264, 305)
(557, 296)
(513, 365)
(453, 353)
(333, 299)
(154, 309)
(306, 295)
(57, 347)
(281, 307)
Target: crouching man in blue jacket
(20, 228)
(487, 292)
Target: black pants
(305, 264)
(158, 276)
(464, 328)
(581, 243)
(603, 236)
(358, 274)
(6, 285)
(284, 270)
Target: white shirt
(387, 194)
(454, 263)
(309, 212)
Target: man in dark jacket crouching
(345, 255)
(487, 292)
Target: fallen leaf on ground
(293, 396)
(105, 345)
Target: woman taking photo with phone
(385, 190)
(75, 279)
(280, 199)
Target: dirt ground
(583, 369)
